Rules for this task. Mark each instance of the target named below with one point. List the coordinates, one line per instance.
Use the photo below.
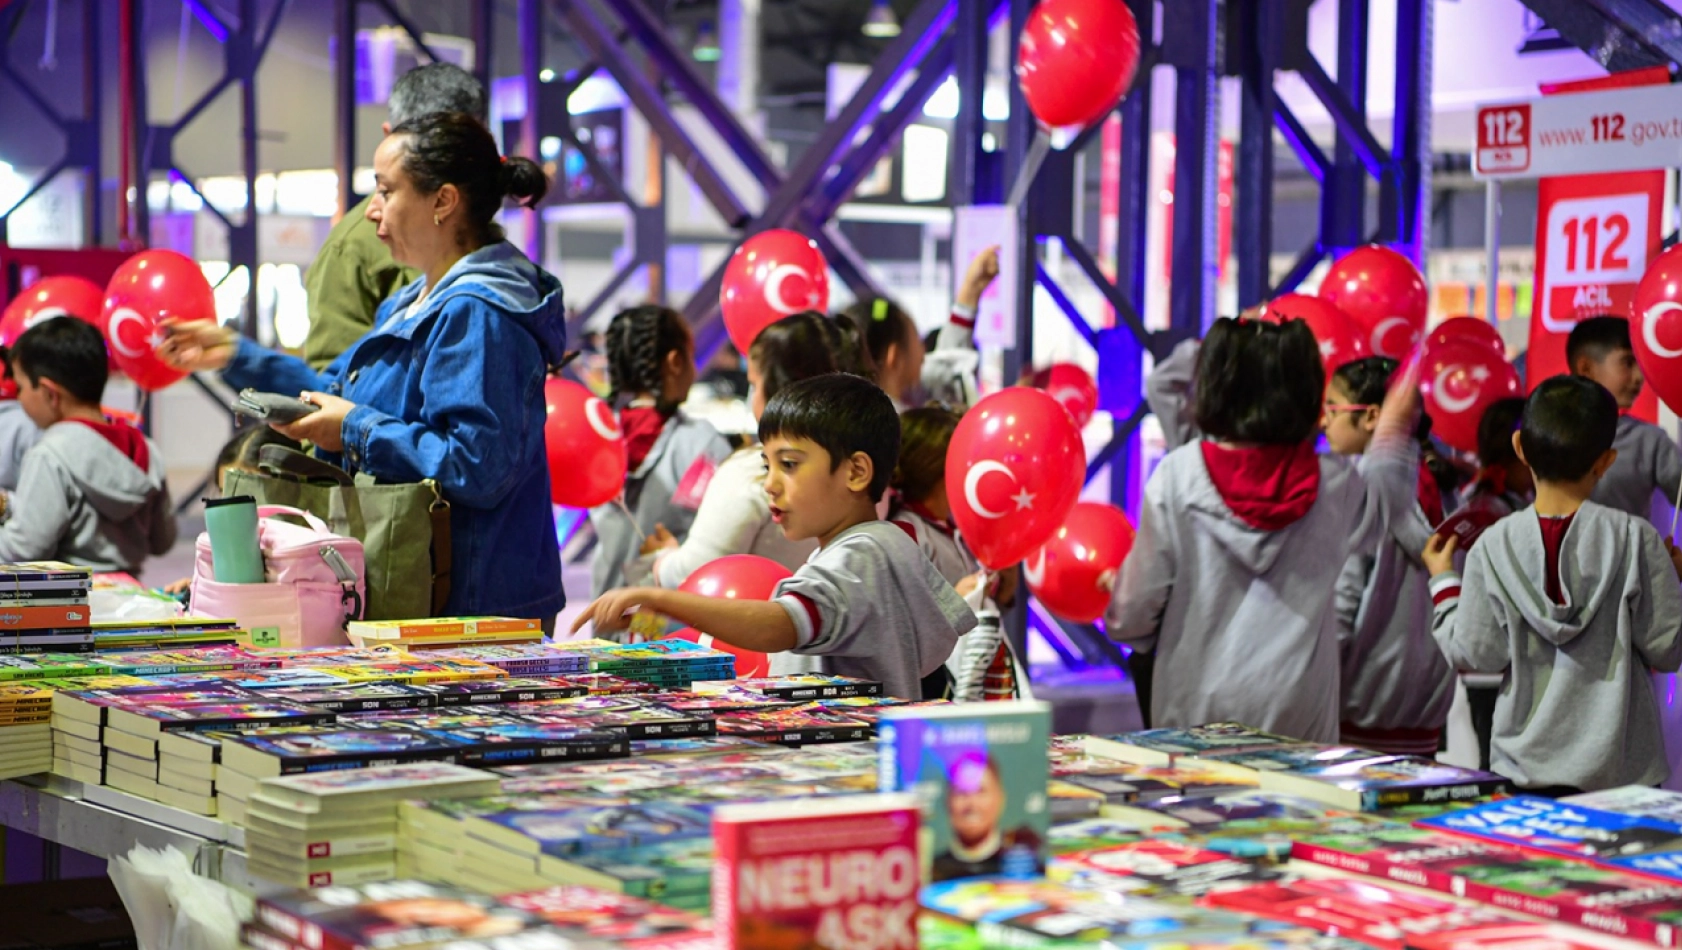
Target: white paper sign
(975, 228)
(1632, 129)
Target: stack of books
(443, 632)
(44, 607)
(26, 742)
(340, 828)
(587, 914)
(165, 634)
(389, 915)
(667, 664)
(520, 659)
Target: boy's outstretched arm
(750, 624)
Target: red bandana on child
(127, 440)
(1430, 496)
(642, 426)
(1267, 486)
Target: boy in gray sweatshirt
(868, 603)
(1575, 602)
(92, 491)
(1648, 460)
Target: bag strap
(271, 511)
(281, 461)
(439, 514)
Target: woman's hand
(197, 345)
(1439, 553)
(660, 540)
(323, 428)
(980, 275)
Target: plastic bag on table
(173, 908)
(132, 605)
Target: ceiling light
(880, 22)
(706, 48)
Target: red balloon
(1014, 468)
(750, 664)
(1656, 331)
(1470, 329)
(1073, 389)
(50, 297)
(1460, 379)
(1341, 341)
(147, 289)
(586, 447)
(737, 577)
(1384, 294)
(771, 276)
(1076, 59)
(1064, 573)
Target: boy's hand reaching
(1439, 553)
(659, 540)
(979, 277)
(612, 611)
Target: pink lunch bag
(315, 583)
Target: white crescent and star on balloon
(774, 289)
(1650, 330)
(1023, 498)
(1034, 569)
(601, 419)
(121, 318)
(1457, 404)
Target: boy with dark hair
(1576, 602)
(1648, 461)
(92, 491)
(868, 602)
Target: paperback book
(1163, 746)
(1629, 842)
(801, 687)
(531, 742)
(267, 756)
(582, 830)
(1373, 914)
(1372, 784)
(153, 720)
(330, 791)
(817, 873)
(980, 772)
(493, 692)
(387, 914)
(630, 922)
(355, 697)
(1159, 869)
(797, 726)
(1036, 913)
(678, 873)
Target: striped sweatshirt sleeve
(1466, 627)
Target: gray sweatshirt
(18, 434)
(687, 450)
(82, 500)
(1648, 461)
(872, 606)
(1576, 705)
(1394, 676)
(1168, 391)
(1242, 618)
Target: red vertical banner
(1594, 237)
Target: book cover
(355, 697)
(463, 627)
(1012, 913)
(579, 830)
(607, 684)
(387, 914)
(1162, 746)
(512, 690)
(678, 873)
(41, 666)
(1372, 784)
(1637, 800)
(1508, 936)
(980, 772)
(1561, 828)
(17, 619)
(632, 922)
(1125, 783)
(534, 742)
(416, 780)
(1244, 824)
(643, 722)
(223, 716)
(729, 699)
(1373, 914)
(1612, 902)
(1160, 869)
(346, 748)
(1286, 758)
(829, 873)
(797, 726)
(803, 687)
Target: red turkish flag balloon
(1384, 294)
(737, 577)
(1014, 468)
(585, 445)
(51, 297)
(1469, 329)
(1064, 573)
(771, 276)
(1072, 387)
(145, 290)
(1460, 379)
(1076, 59)
(1341, 341)
(1656, 331)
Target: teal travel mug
(236, 556)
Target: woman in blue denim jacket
(449, 384)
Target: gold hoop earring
(436, 222)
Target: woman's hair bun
(524, 181)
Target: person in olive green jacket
(353, 273)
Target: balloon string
(1031, 162)
(620, 504)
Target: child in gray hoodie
(1575, 602)
(1648, 460)
(1242, 537)
(92, 491)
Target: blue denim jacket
(453, 391)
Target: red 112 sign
(1595, 253)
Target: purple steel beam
(1064, 304)
(1306, 262)
(1349, 122)
(407, 27)
(209, 20)
(594, 35)
(1297, 137)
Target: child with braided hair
(671, 457)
